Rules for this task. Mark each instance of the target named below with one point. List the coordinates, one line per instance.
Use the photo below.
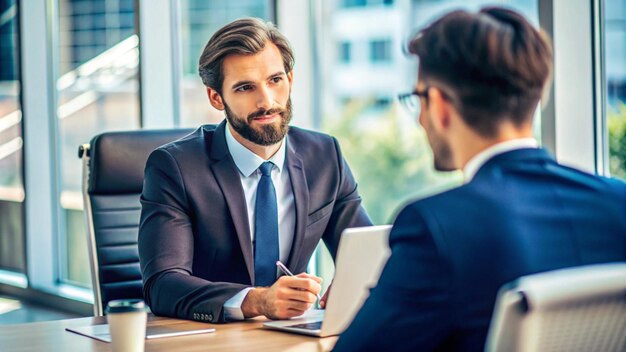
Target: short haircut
(493, 65)
(245, 36)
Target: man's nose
(265, 99)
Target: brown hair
(493, 65)
(245, 36)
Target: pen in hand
(286, 271)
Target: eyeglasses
(411, 101)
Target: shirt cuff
(232, 307)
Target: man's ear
(215, 98)
(439, 109)
(290, 78)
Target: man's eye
(277, 79)
(243, 88)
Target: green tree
(390, 158)
(617, 141)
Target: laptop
(362, 254)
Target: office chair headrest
(118, 159)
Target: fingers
(284, 309)
(324, 299)
(284, 305)
(286, 314)
(296, 295)
(285, 289)
(298, 306)
(301, 283)
(309, 276)
(291, 296)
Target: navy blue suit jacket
(195, 248)
(521, 214)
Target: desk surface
(242, 336)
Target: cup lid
(125, 306)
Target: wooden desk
(243, 336)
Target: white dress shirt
(478, 160)
(248, 165)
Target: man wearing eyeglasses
(480, 78)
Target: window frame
(567, 129)
(570, 119)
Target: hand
(325, 297)
(288, 297)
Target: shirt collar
(246, 161)
(478, 160)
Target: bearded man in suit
(222, 205)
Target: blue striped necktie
(265, 229)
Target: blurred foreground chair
(113, 167)
(573, 309)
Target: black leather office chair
(113, 167)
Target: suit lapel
(301, 197)
(227, 177)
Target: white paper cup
(127, 324)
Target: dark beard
(443, 159)
(442, 154)
(267, 134)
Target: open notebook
(101, 332)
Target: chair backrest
(113, 168)
(573, 309)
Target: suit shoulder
(429, 209)
(617, 183)
(617, 186)
(190, 142)
(423, 209)
(299, 135)
(311, 145)
(414, 224)
(612, 182)
(444, 197)
(595, 182)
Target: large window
(350, 66)
(380, 51)
(384, 145)
(11, 151)
(615, 56)
(200, 19)
(97, 91)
